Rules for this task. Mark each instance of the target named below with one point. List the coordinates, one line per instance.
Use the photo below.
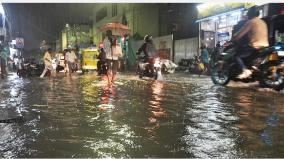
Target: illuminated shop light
(205, 6)
(1, 9)
(236, 13)
(219, 15)
(215, 18)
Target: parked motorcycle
(265, 65)
(143, 68)
(29, 70)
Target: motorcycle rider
(257, 32)
(149, 50)
(102, 59)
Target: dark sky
(36, 22)
(44, 21)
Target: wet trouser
(243, 53)
(112, 66)
(71, 66)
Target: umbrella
(116, 28)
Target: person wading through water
(113, 51)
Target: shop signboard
(209, 9)
(223, 37)
(19, 43)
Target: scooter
(102, 67)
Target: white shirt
(107, 47)
(71, 56)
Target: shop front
(217, 27)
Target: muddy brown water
(183, 116)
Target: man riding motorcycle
(149, 50)
(257, 32)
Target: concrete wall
(163, 45)
(186, 48)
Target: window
(222, 22)
(101, 14)
(114, 10)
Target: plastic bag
(117, 51)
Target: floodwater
(183, 116)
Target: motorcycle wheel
(272, 78)
(220, 74)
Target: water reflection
(155, 103)
(156, 109)
(12, 98)
(111, 138)
(209, 133)
(85, 117)
(258, 123)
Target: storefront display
(224, 34)
(222, 22)
(221, 25)
(209, 39)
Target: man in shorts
(109, 44)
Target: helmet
(253, 12)
(148, 38)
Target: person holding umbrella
(113, 51)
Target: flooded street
(183, 116)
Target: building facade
(142, 19)
(2, 24)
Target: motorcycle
(102, 67)
(102, 64)
(143, 68)
(25, 70)
(29, 70)
(265, 65)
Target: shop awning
(217, 15)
